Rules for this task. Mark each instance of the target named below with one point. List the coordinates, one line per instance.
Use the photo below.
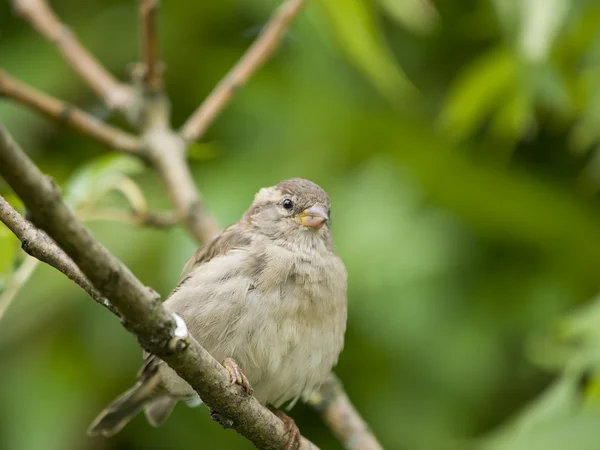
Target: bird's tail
(121, 410)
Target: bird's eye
(287, 204)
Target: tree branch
(152, 220)
(39, 245)
(339, 414)
(141, 310)
(59, 110)
(264, 46)
(39, 14)
(166, 153)
(152, 65)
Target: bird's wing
(232, 237)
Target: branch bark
(139, 306)
(260, 50)
(341, 417)
(61, 111)
(152, 65)
(166, 153)
(39, 14)
(39, 245)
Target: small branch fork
(70, 248)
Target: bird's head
(295, 208)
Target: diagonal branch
(339, 414)
(39, 245)
(39, 14)
(140, 307)
(264, 46)
(166, 152)
(59, 110)
(152, 65)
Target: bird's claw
(236, 375)
(291, 429)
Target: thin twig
(17, 281)
(158, 220)
(39, 245)
(39, 14)
(153, 220)
(140, 214)
(128, 189)
(339, 414)
(153, 68)
(140, 307)
(264, 46)
(59, 110)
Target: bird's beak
(314, 217)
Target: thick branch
(59, 110)
(339, 414)
(264, 46)
(39, 245)
(141, 310)
(39, 14)
(152, 65)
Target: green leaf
(9, 243)
(514, 117)
(541, 23)
(581, 332)
(8, 248)
(478, 91)
(86, 180)
(417, 15)
(532, 26)
(559, 401)
(360, 37)
(554, 420)
(579, 432)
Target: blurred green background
(459, 144)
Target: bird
(267, 297)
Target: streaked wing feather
(230, 238)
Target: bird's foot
(236, 375)
(291, 430)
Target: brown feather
(230, 238)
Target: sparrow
(267, 297)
